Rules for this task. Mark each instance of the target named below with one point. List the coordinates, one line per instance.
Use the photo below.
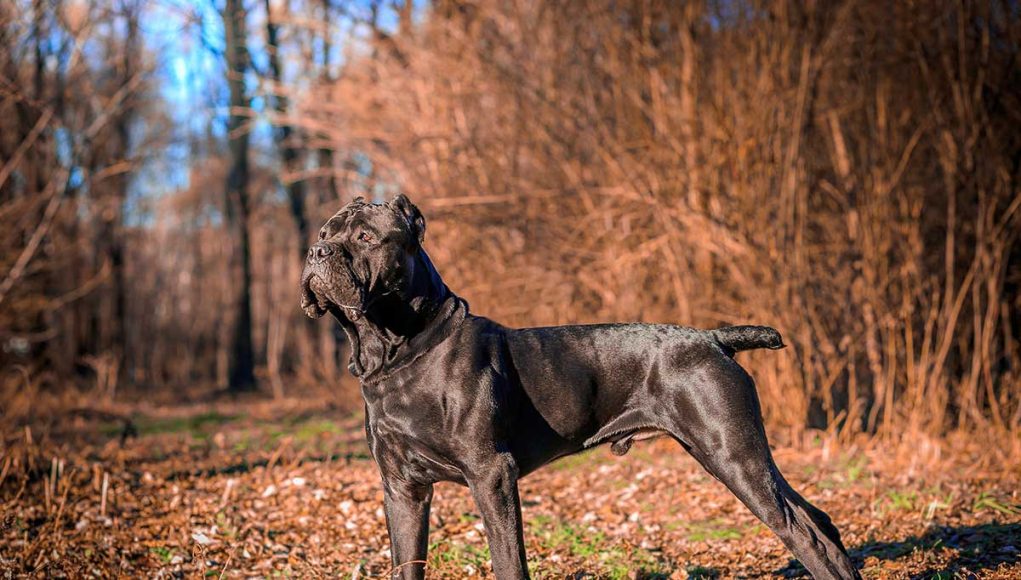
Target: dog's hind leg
(804, 529)
(730, 442)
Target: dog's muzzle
(326, 283)
(318, 252)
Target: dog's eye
(365, 237)
(322, 234)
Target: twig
(6, 468)
(226, 564)
(102, 501)
(81, 291)
(53, 477)
(398, 568)
(284, 444)
(46, 492)
(60, 508)
(33, 243)
(227, 492)
(8, 167)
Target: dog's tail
(738, 338)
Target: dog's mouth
(318, 298)
(313, 306)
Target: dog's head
(364, 252)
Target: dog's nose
(318, 251)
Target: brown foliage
(845, 171)
(842, 172)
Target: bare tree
(846, 171)
(242, 356)
(287, 138)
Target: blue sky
(186, 39)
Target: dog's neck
(381, 337)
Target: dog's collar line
(438, 330)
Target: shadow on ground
(969, 549)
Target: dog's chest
(401, 447)
(425, 430)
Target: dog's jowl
(451, 396)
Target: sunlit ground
(268, 489)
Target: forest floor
(284, 489)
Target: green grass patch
(315, 429)
(243, 444)
(986, 502)
(163, 553)
(197, 426)
(714, 529)
(303, 431)
(605, 558)
(856, 468)
(443, 553)
(579, 460)
(896, 500)
(225, 525)
(467, 518)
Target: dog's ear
(402, 205)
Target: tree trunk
(115, 221)
(286, 135)
(241, 376)
(325, 160)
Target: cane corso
(450, 396)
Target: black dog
(450, 396)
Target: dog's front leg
(407, 521)
(494, 485)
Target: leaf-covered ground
(276, 489)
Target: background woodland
(846, 171)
